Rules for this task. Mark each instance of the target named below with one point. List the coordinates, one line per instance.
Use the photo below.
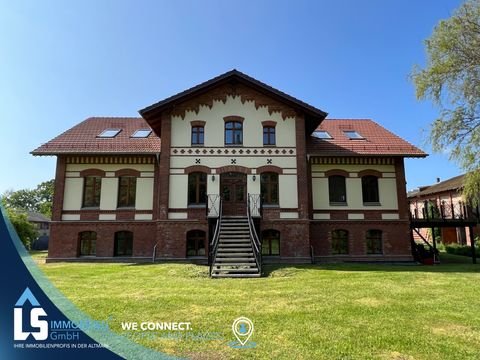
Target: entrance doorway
(233, 188)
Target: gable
(233, 84)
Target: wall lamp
(254, 177)
(213, 177)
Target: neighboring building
(443, 200)
(40, 221)
(334, 189)
(42, 225)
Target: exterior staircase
(234, 256)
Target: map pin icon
(242, 329)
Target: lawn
(337, 311)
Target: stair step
(234, 251)
(234, 230)
(235, 247)
(251, 270)
(234, 259)
(236, 275)
(249, 264)
(228, 254)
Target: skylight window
(322, 135)
(353, 135)
(142, 133)
(109, 133)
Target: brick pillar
(401, 189)
(59, 188)
(302, 173)
(164, 167)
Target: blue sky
(63, 61)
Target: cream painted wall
(288, 191)
(111, 167)
(386, 186)
(144, 194)
(178, 198)
(109, 190)
(72, 198)
(214, 126)
(354, 168)
(182, 162)
(108, 194)
(252, 138)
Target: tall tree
(451, 79)
(39, 199)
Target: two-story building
(156, 185)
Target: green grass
(337, 311)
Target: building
(323, 190)
(40, 221)
(444, 201)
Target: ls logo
(35, 313)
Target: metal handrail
(216, 237)
(257, 246)
(154, 252)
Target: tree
(38, 200)
(451, 79)
(26, 230)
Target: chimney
(438, 180)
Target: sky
(64, 61)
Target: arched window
(271, 242)
(197, 188)
(374, 242)
(196, 243)
(127, 188)
(337, 190)
(269, 135)
(233, 133)
(339, 242)
(87, 243)
(91, 191)
(269, 188)
(198, 134)
(123, 243)
(370, 189)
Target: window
(339, 242)
(271, 243)
(269, 135)
(198, 135)
(233, 133)
(322, 135)
(91, 191)
(269, 188)
(353, 135)
(374, 242)
(87, 241)
(370, 189)
(196, 243)
(123, 243)
(127, 187)
(109, 133)
(142, 133)
(337, 190)
(197, 188)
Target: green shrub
(462, 250)
(26, 230)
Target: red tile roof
(377, 140)
(82, 138)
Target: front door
(233, 188)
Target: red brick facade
(303, 236)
